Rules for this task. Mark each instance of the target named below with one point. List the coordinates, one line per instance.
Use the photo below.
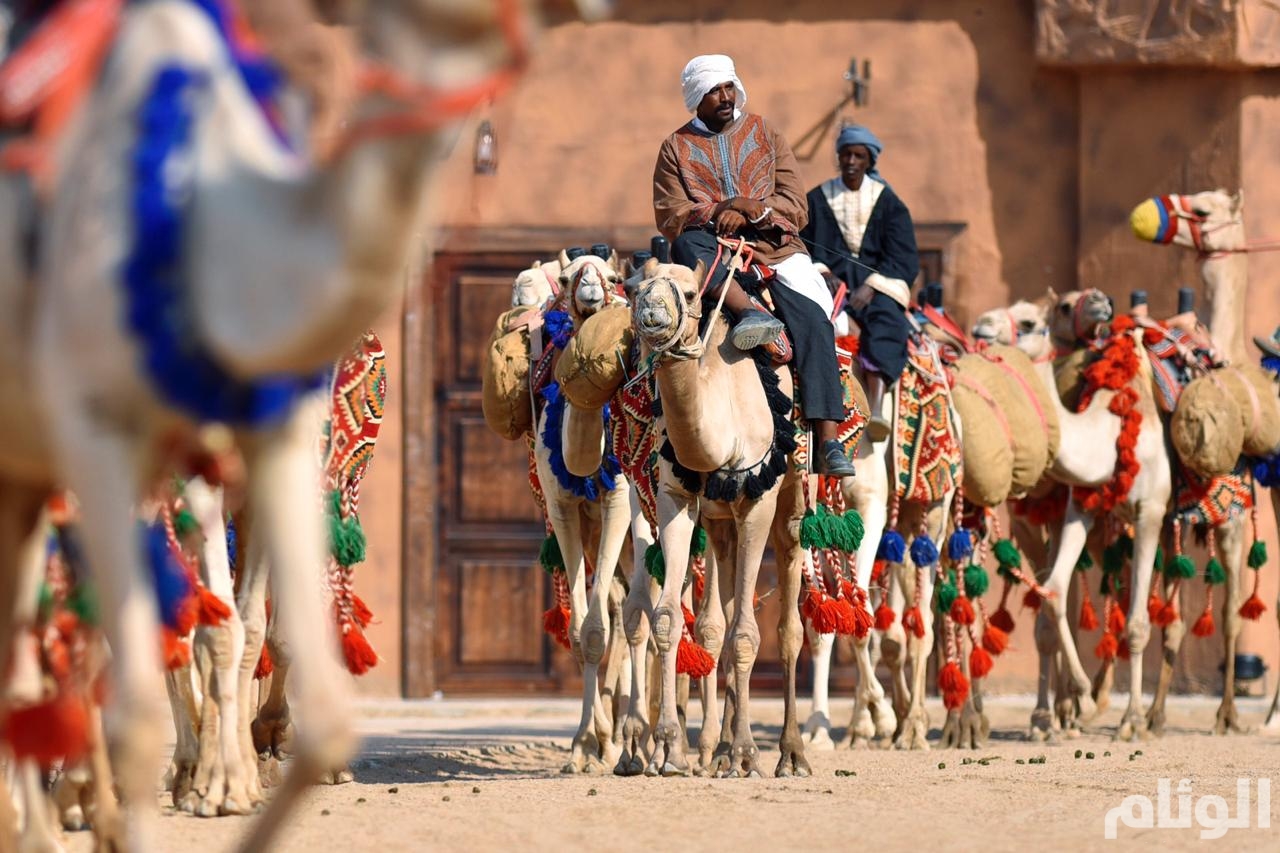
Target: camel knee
(891, 651)
(663, 624)
(1139, 633)
(710, 634)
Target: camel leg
(69, 795)
(893, 647)
(251, 601)
(1030, 541)
(1231, 547)
(677, 514)
(817, 729)
(636, 610)
(283, 471)
(618, 671)
(709, 630)
(1149, 519)
(1068, 547)
(868, 494)
(38, 833)
(182, 766)
(567, 524)
(786, 544)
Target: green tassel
(841, 535)
(1180, 567)
(346, 538)
(976, 580)
(813, 532)
(1258, 554)
(84, 604)
(1214, 572)
(184, 523)
(947, 593)
(1007, 555)
(549, 555)
(1159, 557)
(655, 563)
(1085, 561)
(1113, 557)
(699, 545)
(46, 598)
(853, 524)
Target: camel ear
(700, 272)
(536, 265)
(615, 261)
(650, 268)
(1237, 201)
(563, 258)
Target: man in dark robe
(729, 173)
(862, 231)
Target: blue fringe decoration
(1267, 471)
(559, 326)
(923, 551)
(892, 548)
(584, 487)
(959, 546)
(231, 543)
(1270, 362)
(182, 371)
(167, 578)
(261, 76)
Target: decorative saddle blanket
(926, 447)
(1175, 359)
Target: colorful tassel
(892, 548)
(980, 662)
(52, 730)
(962, 611)
(884, 617)
(976, 580)
(356, 651)
(923, 552)
(550, 556)
(913, 622)
(994, 639)
(655, 563)
(959, 545)
(1088, 616)
(265, 665)
(953, 685)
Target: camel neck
(1226, 279)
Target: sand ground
(485, 775)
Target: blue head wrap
(858, 135)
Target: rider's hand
(730, 222)
(861, 297)
(748, 207)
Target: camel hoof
(73, 820)
(231, 806)
(670, 770)
(189, 803)
(207, 808)
(819, 739)
(1088, 709)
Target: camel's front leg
(1231, 547)
(817, 729)
(677, 514)
(1070, 544)
(873, 717)
(1150, 518)
(893, 647)
(786, 544)
(284, 479)
(636, 612)
(709, 629)
(917, 585)
(251, 606)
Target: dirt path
(485, 776)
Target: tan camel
(717, 418)
(533, 287)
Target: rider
(729, 173)
(862, 231)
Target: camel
(1212, 224)
(535, 286)
(718, 421)
(285, 260)
(1081, 461)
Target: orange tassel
(50, 730)
(994, 638)
(699, 586)
(1204, 625)
(980, 662)
(1107, 647)
(1088, 616)
(556, 623)
(884, 617)
(914, 622)
(862, 619)
(1002, 619)
(953, 685)
(212, 610)
(1168, 615)
(689, 618)
(360, 611)
(177, 653)
(188, 614)
(693, 659)
(1253, 608)
(1154, 606)
(357, 652)
(265, 665)
(1116, 621)
(962, 611)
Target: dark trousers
(884, 329)
(812, 336)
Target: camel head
(668, 305)
(1206, 221)
(1023, 324)
(592, 283)
(534, 286)
(1079, 316)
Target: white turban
(704, 73)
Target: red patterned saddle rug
(926, 447)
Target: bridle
(419, 107)
(1175, 212)
(1077, 317)
(684, 313)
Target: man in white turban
(727, 172)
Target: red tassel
(914, 622)
(693, 659)
(962, 611)
(177, 653)
(1088, 616)
(1168, 615)
(699, 586)
(357, 652)
(689, 618)
(862, 619)
(1031, 599)
(953, 685)
(265, 665)
(877, 570)
(360, 611)
(980, 662)
(1123, 651)
(188, 614)
(1107, 647)
(1116, 621)
(50, 730)
(994, 638)
(556, 623)
(1204, 625)
(1253, 608)
(212, 610)
(1154, 606)
(1002, 619)
(884, 617)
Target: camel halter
(684, 312)
(1173, 211)
(1077, 316)
(420, 107)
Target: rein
(1176, 209)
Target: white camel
(282, 263)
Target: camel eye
(1026, 325)
(1201, 212)
(1064, 309)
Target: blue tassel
(584, 487)
(231, 542)
(893, 547)
(559, 326)
(1270, 362)
(959, 546)
(1267, 471)
(167, 578)
(923, 551)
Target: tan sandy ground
(484, 775)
